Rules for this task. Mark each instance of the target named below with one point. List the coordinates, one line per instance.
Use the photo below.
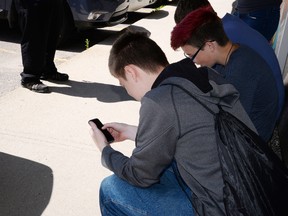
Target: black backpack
(255, 179)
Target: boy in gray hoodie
(173, 129)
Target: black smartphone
(106, 133)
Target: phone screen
(106, 133)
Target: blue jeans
(264, 21)
(117, 197)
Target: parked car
(98, 13)
(135, 5)
(79, 14)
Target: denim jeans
(264, 21)
(117, 197)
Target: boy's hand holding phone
(97, 135)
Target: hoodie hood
(202, 82)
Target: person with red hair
(201, 36)
(239, 32)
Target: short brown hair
(138, 49)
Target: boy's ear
(211, 45)
(131, 71)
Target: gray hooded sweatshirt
(173, 126)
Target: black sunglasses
(196, 53)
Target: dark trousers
(40, 22)
(265, 21)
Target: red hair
(183, 30)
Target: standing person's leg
(33, 19)
(117, 197)
(50, 71)
(264, 21)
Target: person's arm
(155, 147)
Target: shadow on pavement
(25, 186)
(103, 92)
(158, 14)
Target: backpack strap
(195, 98)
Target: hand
(121, 131)
(98, 137)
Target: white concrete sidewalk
(48, 157)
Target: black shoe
(56, 76)
(38, 87)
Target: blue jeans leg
(264, 21)
(117, 197)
